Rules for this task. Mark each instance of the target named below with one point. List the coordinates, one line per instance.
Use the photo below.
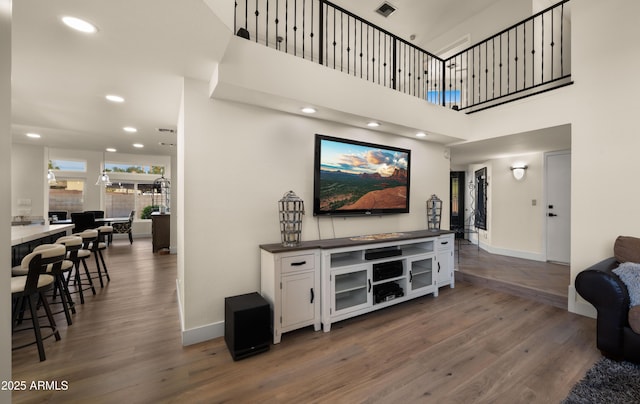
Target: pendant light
(51, 177)
(103, 179)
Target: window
(133, 169)
(123, 197)
(481, 198)
(67, 194)
(68, 165)
(450, 97)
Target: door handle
(369, 285)
(410, 276)
(552, 215)
(312, 295)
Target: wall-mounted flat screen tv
(358, 178)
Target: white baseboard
(514, 253)
(580, 306)
(203, 333)
(199, 334)
(179, 304)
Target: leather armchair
(609, 295)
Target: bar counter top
(24, 234)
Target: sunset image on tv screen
(362, 177)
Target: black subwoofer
(247, 325)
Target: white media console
(325, 281)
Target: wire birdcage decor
(162, 194)
(434, 213)
(291, 209)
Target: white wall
(501, 15)
(604, 134)
(283, 78)
(5, 198)
(516, 226)
(241, 161)
(27, 182)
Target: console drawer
(298, 263)
(445, 241)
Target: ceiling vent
(166, 130)
(386, 9)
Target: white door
(558, 208)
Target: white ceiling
(142, 50)
(539, 141)
(426, 19)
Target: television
(353, 178)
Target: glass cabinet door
(421, 274)
(351, 289)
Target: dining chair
(83, 221)
(124, 227)
(97, 214)
(59, 214)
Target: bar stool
(106, 234)
(97, 247)
(60, 283)
(91, 246)
(29, 290)
(78, 252)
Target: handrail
(379, 28)
(524, 59)
(521, 60)
(538, 14)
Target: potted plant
(146, 212)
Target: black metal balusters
(321, 31)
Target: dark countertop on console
(352, 241)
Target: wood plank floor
(469, 345)
(545, 282)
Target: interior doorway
(456, 198)
(558, 206)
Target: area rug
(607, 382)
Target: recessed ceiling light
(114, 98)
(111, 150)
(373, 124)
(421, 134)
(130, 129)
(34, 135)
(308, 110)
(79, 25)
(138, 145)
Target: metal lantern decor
(434, 213)
(162, 194)
(291, 211)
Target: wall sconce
(518, 171)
